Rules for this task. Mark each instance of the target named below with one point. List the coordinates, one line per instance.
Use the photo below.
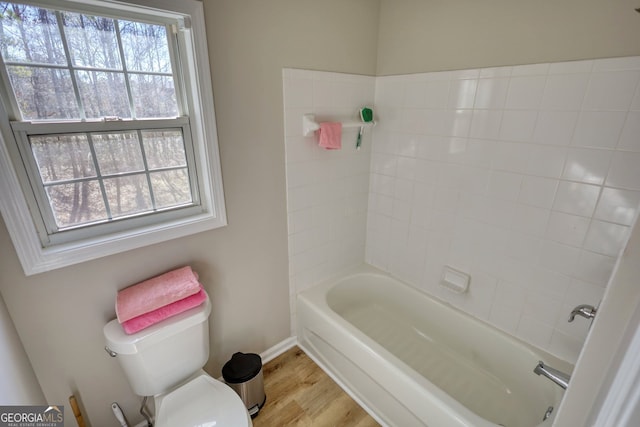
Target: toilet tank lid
(118, 341)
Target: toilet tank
(158, 358)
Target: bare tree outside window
(69, 66)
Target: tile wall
(526, 177)
(327, 190)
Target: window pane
(92, 41)
(62, 157)
(43, 93)
(153, 96)
(103, 94)
(164, 148)
(128, 195)
(30, 34)
(145, 47)
(118, 152)
(76, 203)
(171, 188)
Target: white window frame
(15, 205)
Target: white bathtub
(414, 361)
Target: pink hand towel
(330, 135)
(139, 323)
(155, 293)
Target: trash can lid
(242, 367)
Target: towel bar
(309, 124)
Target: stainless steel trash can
(243, 373)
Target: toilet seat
(201, 402)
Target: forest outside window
(106, 118)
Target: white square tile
(495, 72)
(568, 229)
(549, 283)
(600, 129)
(555, 127)
(485, 124)
(617, 64)
(459, 122)
(407, 145)
(618, 206)
(480, 153)
(504, 185)
(530, 220)
(580, 292)
(511, 157)
(462, 93)
(587, 165)
(570, 67)
(611, 90)
(491, 93)
(564, 92)
(630, 137)
(635, 104)
(525, 93)
(530, 69)
(457, 150)
(576, 198)
(524, 247)
(539, 192)
(606, 238)
(518, 125)
(415, 94)
(624, 171)
(505, 318)
(535, 332)
(559, 258)
(545, 160)
(566, 347)
(433, 147)
(436, 94)
(594, 268)
(406, 168)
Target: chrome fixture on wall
(585, 310)
(554, 375)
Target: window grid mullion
(127, 82)
(103, 191)
(146, 170)
(83, 68)
(67, 53)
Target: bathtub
(411, 360)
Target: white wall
(431, 35)
(526, 177)
(19, 385)
(327, 190)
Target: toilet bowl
(166, 360)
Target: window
(108, 127)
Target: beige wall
(59, 315)
(431, 35)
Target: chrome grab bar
(554, 375)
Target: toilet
(165, 361)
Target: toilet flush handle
(110, 352)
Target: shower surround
(525, 177)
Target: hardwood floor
(299, 393)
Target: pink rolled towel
(330, 135)
(139, 323)
(156, 292)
